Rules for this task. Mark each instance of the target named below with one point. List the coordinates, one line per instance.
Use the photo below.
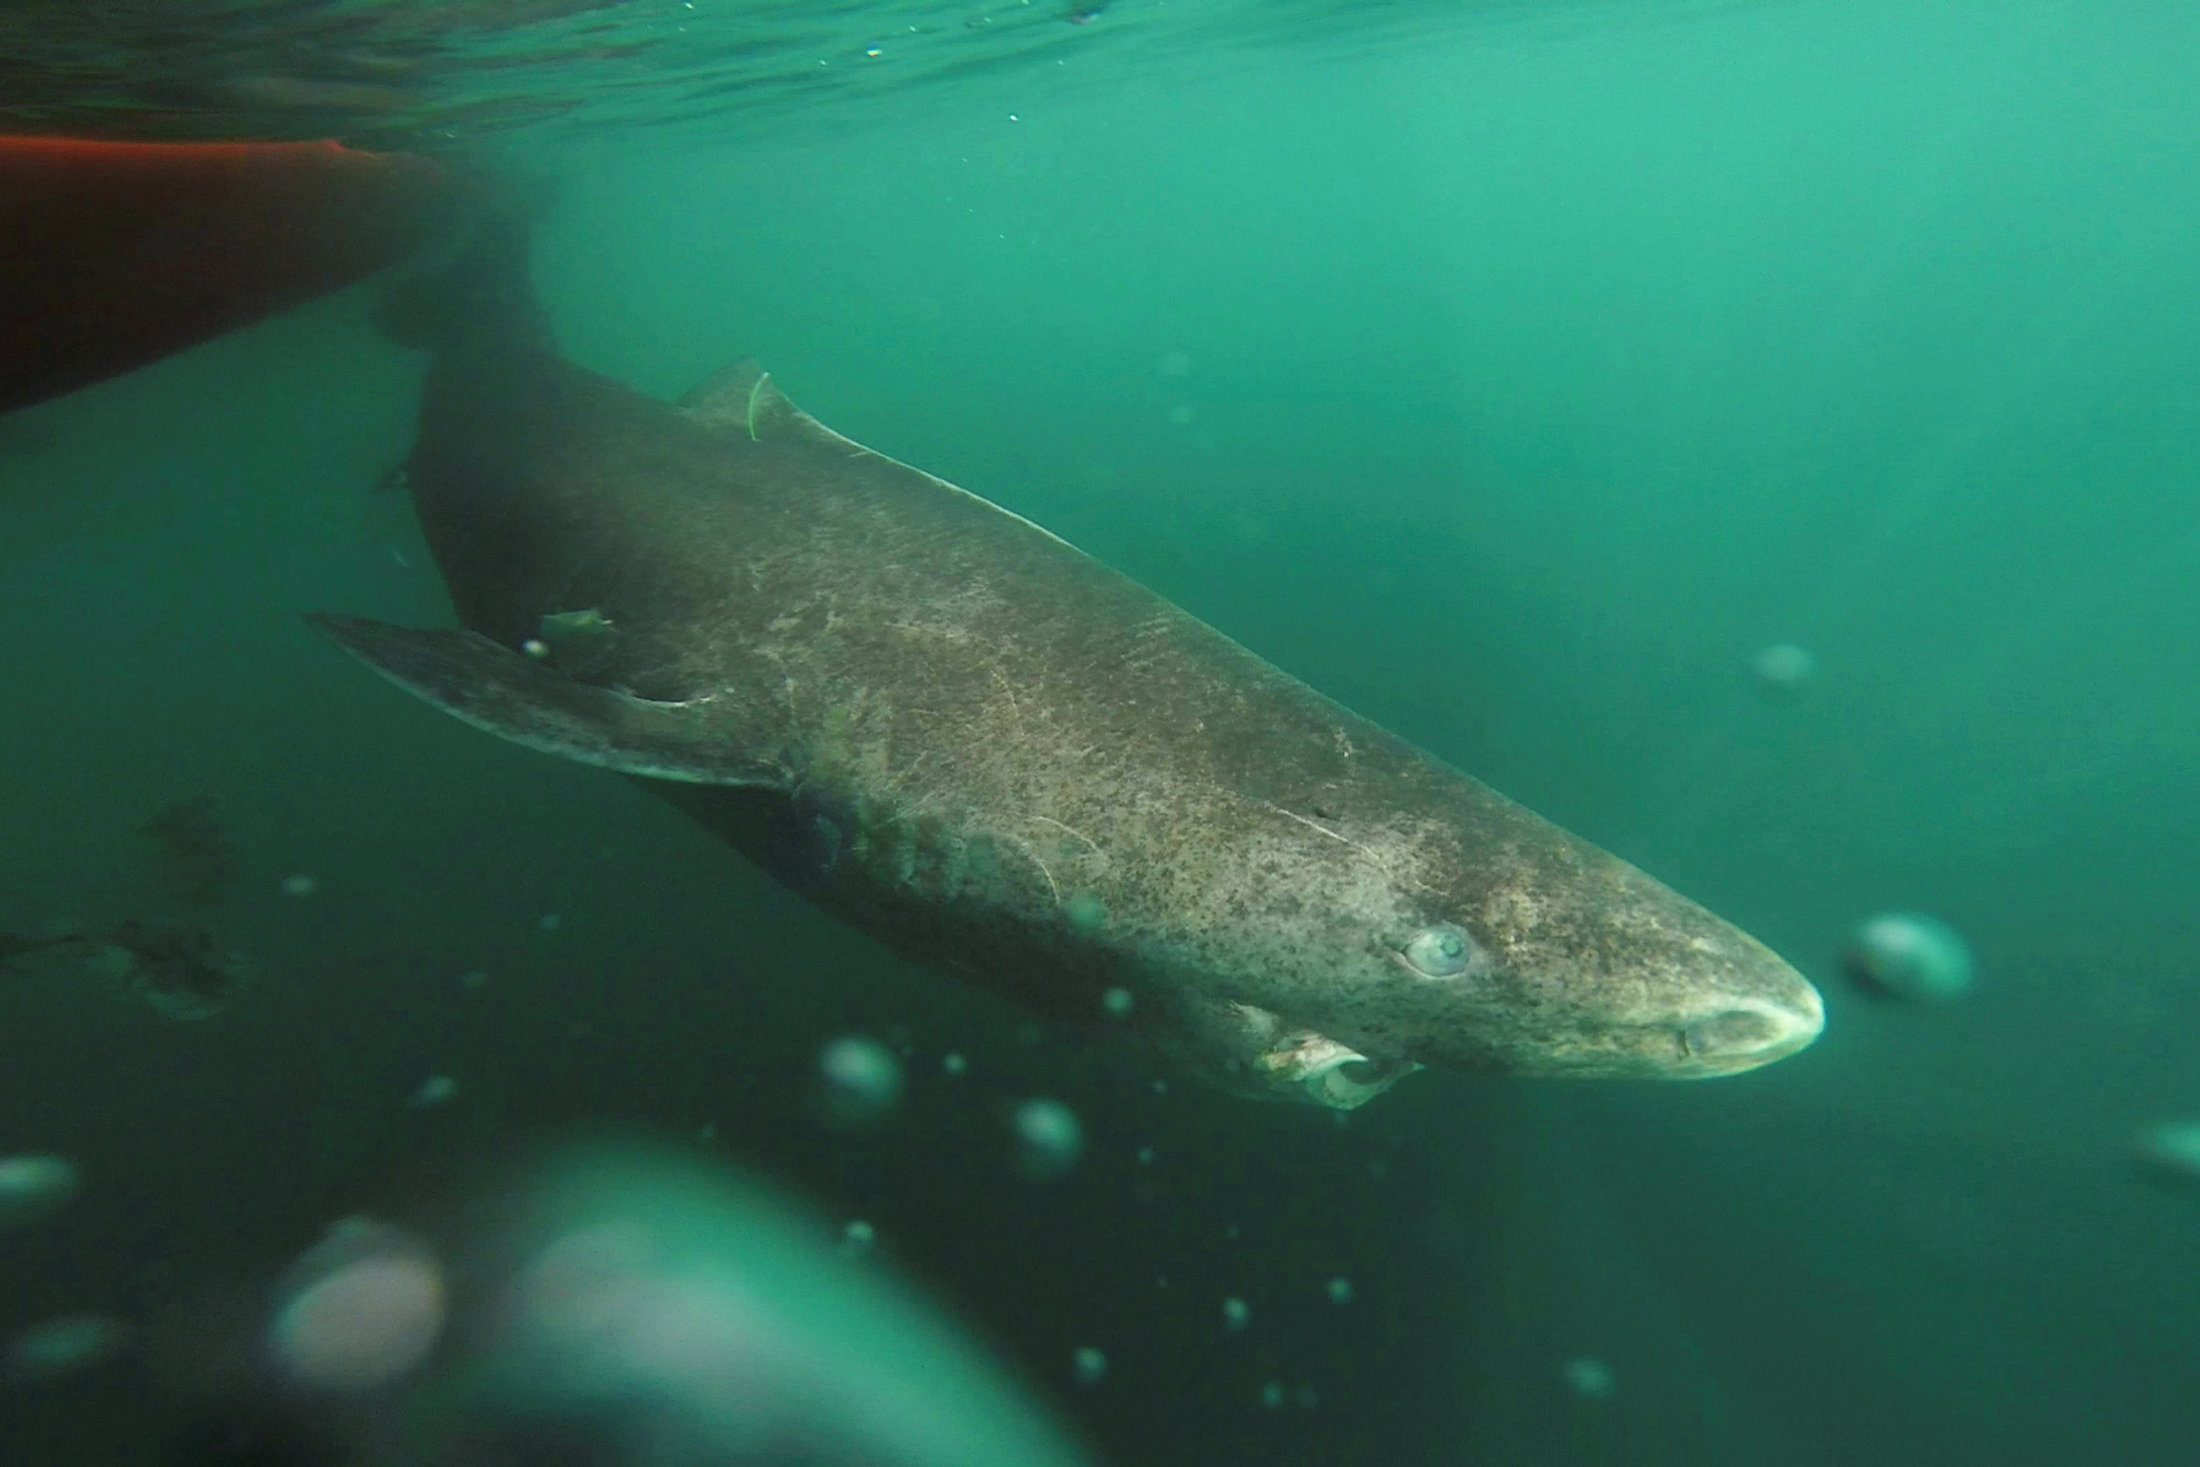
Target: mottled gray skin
(995, 754)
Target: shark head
(1454, 929)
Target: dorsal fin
(742, 398)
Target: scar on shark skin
(1090, 844)
(899, 780)
(1015, 709)
(1040, 862)
(1325, 830)
(1375, 857)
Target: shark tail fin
(484, 285)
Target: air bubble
(64, 1346)
(1909, 956)
(1590, 1378)
(364, 1306)
(31, 1186)
(862, 1080)
(1049, 1139)
(1784, 667)
(434, 1091)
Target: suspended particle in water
(2169, 1152)
(955, 1066)
(1085, 913)
(1304, 1398)
(1145, 1156)
(1175, 364)
(1088, 1366)
(472, 979)
(1590, 1378)
(1908, 956)
(1271, 1394)
(862, 1080)
(1783, 667)
(1236, 1313)
(551, 922)
(536, 648)
(300, 885)
(1049, 1139)
(1339, 1291)
(856, 1238)
(362, 1307)
(1117, 1003)
(434, 1091)
(32, 1186)
(64, 1346)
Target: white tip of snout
(1750, 1032)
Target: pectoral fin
(518, 698)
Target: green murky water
(1513, 375)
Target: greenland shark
(953, 730)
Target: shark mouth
(1314, 1067)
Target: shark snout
(1754, 1031)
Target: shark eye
(1442, 951)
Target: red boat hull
(113, 255)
